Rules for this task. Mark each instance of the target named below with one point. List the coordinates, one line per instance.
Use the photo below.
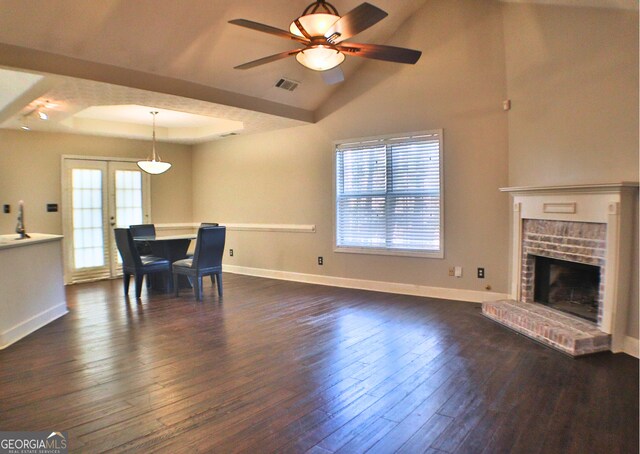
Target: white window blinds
(388, 193)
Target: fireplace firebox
(567, 286)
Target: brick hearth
(562, 331)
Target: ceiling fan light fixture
(321, 30)
(315, 24)
(155, 165)
(320, 58)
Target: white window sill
(392, 252)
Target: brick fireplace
(582, 243)
(570, 266)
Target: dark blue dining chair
(133, 264)
(206, 261)
(204, 224)
(143, 230)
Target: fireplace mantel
(611, 204)
(578, 188)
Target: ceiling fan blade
(379, 52)
(269, 59)
(332, 76)
(358, 19)
(268, 29)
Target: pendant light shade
(155, 165)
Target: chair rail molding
(293, 228)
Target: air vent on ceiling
(287, 84)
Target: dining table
(172, 248)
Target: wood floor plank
(280, 367)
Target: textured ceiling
(70, 96)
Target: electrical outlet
(320, 261)
(480, 273)
(458, 271)
(452, 271)
(230, 252)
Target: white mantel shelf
(9, 241)
(578, 188)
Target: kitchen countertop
(10, 241)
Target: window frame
(439, 254)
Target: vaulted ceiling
(174, 55)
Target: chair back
(142, 230)
(127, 248)
(209, 247)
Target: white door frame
(108, 209)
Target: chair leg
(125, 279)
(169, 280)
(176, 287)
(138, 278)
(213, 279)
(219, 280)
(198, 288)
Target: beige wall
(572, 76)
(286, 176)
(30, 171)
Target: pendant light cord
(153, 141)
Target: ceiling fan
(323, 31)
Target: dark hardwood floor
(289, 367)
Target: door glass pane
(128, 197)
(88, 232)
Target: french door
(99, 195)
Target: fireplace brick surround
(579, 242)
(587, 224)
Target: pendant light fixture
(155, 165)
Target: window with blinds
(389, 195)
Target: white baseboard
(631, 346)
(474, 296)
(27, 327)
